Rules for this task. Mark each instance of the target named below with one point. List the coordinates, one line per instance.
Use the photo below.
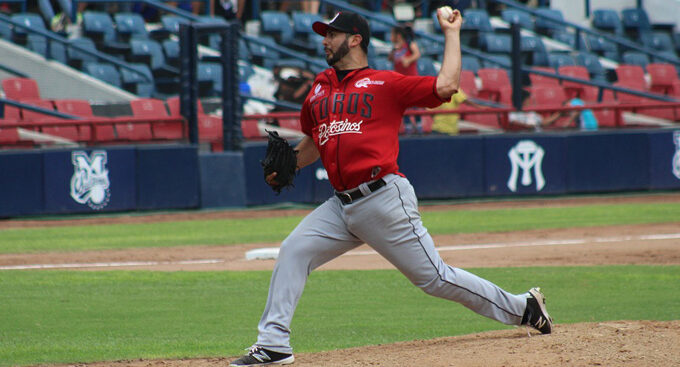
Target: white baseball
(446, 12)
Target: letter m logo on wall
(90, 180)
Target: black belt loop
(348, 197)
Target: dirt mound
(615, 343)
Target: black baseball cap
(346, 22)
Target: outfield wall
(157, 177)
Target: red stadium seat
(290, 123)
(67, 132)
(623, 98)
(154, 108)
(607, 117)
(250, 129)
(20, 88)
(495, 85)
(468, 83)
(538, 80)
(663, 76)
(209, 127)
(632, 75)
(82, 108)
(8, 136)
(547, 95)
(573, 89)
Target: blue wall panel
(21, 183)
(259, 193)
(321, 185)
(607, 162)
(524, 165)
(443, 167)
(664, 159)
(223, 180)
(89, 180)
(167, 177)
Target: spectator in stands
(584, 119)
(447, 123)
(405, 54)
(230, 9)
(294, 84)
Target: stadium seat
(67, 132)
(495, 85)
(497, 43)
(632, 75)
(539, 80)
(82, 108)
(476, 24)
(426, 67)
(302, 23)
(497, 61)
(663, 77)
(29, 115)
(635, 22)
(381, 63)
(209, 76)
(277, 24)
(545, 26)
(657, 40)
(250, 129)
(8, 136)
(130, 25)
(533, 51)
(468, 83)
(547, 95)
(99, 27)
(104, 72)
(517, 16)
(77, 58)
(635, 58)
(32, 21)
(136, 83)
(608, 117)
(470, 63)
(261, 53)
(209, 127)
(154, 108)
(592, 63)
(151, 53)
(5, 31)
(292, 123)
(37, 43)
(171, 23)
(607, 20)
(574, 89)
(20, 88)
(602, 47)
(569, 39)
(171, 51)
(557, 59)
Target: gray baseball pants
(389, 222)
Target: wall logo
(90, 181)
(676, 156)
(526, 155)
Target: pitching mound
(615, 343)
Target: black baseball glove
(280, 158)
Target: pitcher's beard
(336, 56)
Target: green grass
(69, 317)
(236, 231)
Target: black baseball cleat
(535, 314)
(258, 356)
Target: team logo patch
(676, 156)
(338, 128)
(90, 180)
(527, 156)
(318, 92)
(365, 82)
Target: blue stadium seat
(37, 44)
(77, 58)
(603, 47)
(135, 83)
(592, 63)
(262, 54)
(635, 22)
(546, 26)
(534, 51)
(497, 43)
(676, 40)
(33, 21)
(277, 24)
(635, 58)
(57, 52)
(171, 51)
(381, 63)
(151, 53)
(103, 72)
(426, 67)
(209, 75)
(657, 41)
(171, 23)
(5, 31)
(470, 63)
(209, 19)
(607, 20)
(381, 29)
(557, 59)
(302, 23)
(295, 63)
(99, 27)
(668, 54)
(430, 47)
(570, 39)
(130, 25)
(517, 16)
(476, 24)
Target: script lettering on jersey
(350, 103)
(338, 128)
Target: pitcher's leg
(319, 238)
(391, 224)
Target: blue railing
(25, 106)
(12, 71)
(66, 43)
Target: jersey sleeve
(416, 91)
(306, 121)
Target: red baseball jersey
(355, 122)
